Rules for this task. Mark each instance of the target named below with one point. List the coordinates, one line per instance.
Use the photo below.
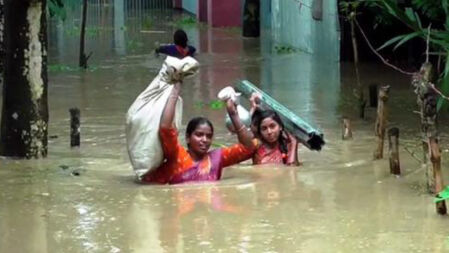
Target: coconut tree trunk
(25, 111)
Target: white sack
(144, 115)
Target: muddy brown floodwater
(85, 200)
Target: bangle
(241, 128)
(173, 96)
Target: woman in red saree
(197, 163)
(274, 143)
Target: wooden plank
(309, 136)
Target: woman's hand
(231, 107)
(255, 99)
(292, 146)
(292, 139)
(254, 102)
(244, 135)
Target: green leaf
(444, 194)
(444, 87)
(444, 35)
(391, 41)
(442, 43)
(394, 10)
(438, 53)
(407, 38)
(397, 38)
(410, 14)
(216, 104)
(445, 5)
(446, 69)
(418, 20)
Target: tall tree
(25, 110)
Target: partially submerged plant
(285, 49)
(186, 21)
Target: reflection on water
(85, 200)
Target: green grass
(186, 21)
(285, 49)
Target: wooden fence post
(393, 151)
(381, 121)
(74, 127)
(346, 129)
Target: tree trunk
(381, 121)
(360, 95)
(83, 57)
(25, 110)
(427, 100)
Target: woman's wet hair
(180, 38)
(195, 122)
(259, 115)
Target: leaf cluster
(426, 19)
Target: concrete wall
(265, 14)
(190, 6)
(217, 13)
(291, 23)
(224, 13)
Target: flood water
(340, 200)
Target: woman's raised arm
(244, 135)
(169, 110)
